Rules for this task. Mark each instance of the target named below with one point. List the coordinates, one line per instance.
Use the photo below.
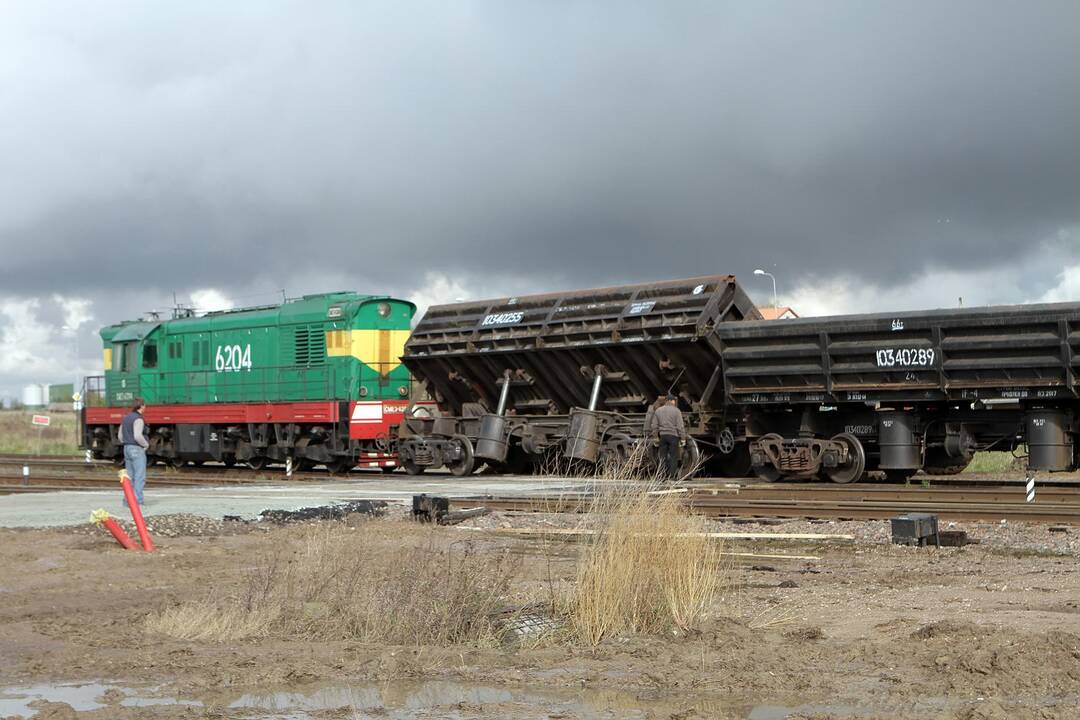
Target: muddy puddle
(404, 701)
(23, 700)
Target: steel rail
(107, 480)
(734, 506)
(887, 493)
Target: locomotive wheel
(387, 469)
(466, 464)
(854, 471)
(411, 467)
(339, 466)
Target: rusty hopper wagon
(904, 391)
(571, 373)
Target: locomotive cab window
(124, 357)
(149, 355)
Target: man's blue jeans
(135, 463)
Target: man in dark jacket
(667, 422)
(133, 436)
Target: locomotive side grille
(310, 345)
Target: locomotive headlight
(384, 309)
(402, 390)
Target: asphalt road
(247, 501)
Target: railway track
(1052, 505)
(10, 463)
(212, 472)
(41, 482)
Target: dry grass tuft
(208, 621)
(773, 618)
(358, 584)
(648, 570)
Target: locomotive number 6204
(232, 358)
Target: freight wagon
(317, 379)
(570, 374)
(904, 391)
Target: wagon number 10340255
(232, 358)
(905, 357)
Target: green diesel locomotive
(316, 380)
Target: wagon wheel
(737, 463)
(176, 462)
(387, 469)
(768, 472)
(855, 470)
(898, 476)
(938, 462)
(257, 463)
(614, 453)
(466, 464)
(691, 457)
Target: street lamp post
(759, 271)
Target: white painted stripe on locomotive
(367, 412)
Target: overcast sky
(874, 156)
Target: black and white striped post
(1031, 488)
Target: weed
(650, 567)
(357, 584)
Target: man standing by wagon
(668, 423)
(660, 400)
(133, 436)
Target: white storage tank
(35, 396)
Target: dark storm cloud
(253, 146)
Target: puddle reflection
(410, 700)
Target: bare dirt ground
(869, 630)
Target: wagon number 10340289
(232, 358)
(905, 357)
